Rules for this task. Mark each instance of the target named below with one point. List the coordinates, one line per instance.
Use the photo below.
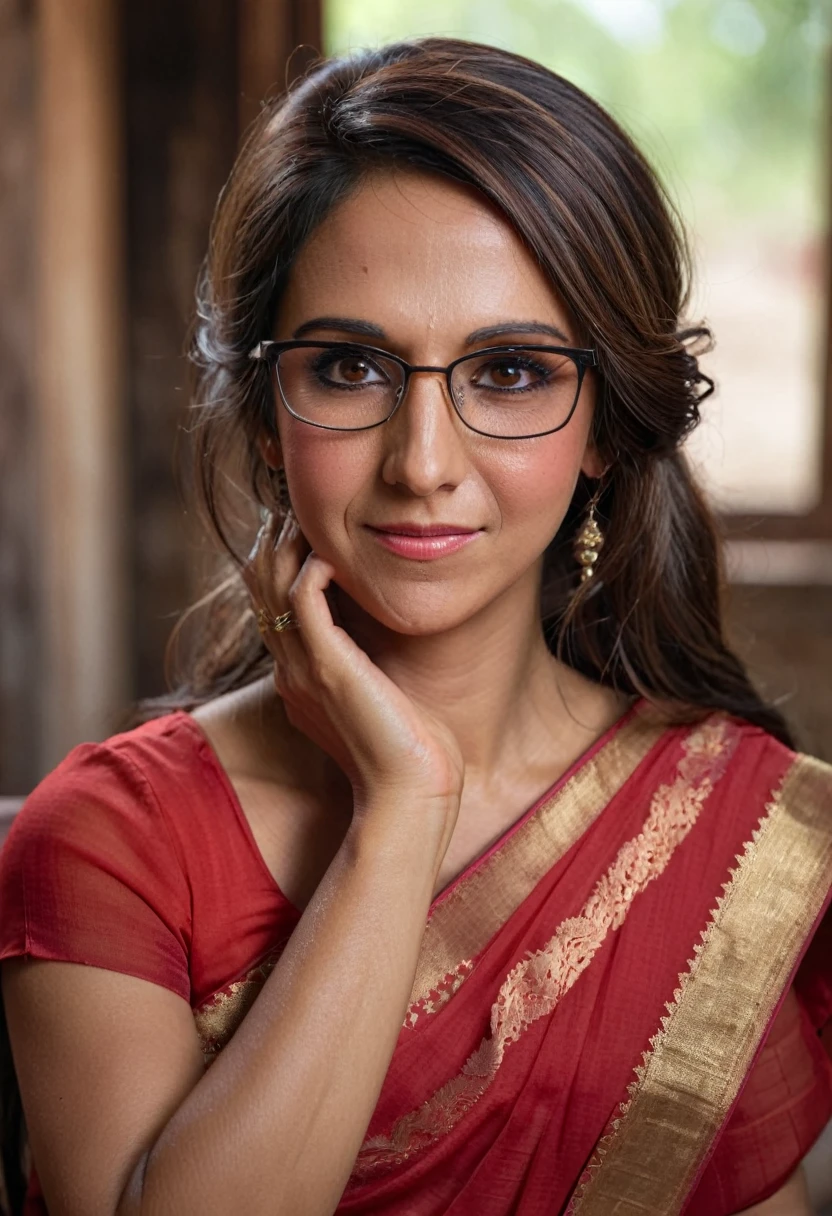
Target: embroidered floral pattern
(538, 982)
(747, 947)
(218, 1017)
(477, 906)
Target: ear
(269, 448)
(592, 465)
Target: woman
(469, 872)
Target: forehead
(409, 248)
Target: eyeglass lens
(518, 393)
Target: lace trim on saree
(447, 987)
(538, 982)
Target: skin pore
(429, 261)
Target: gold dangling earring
(589, 542)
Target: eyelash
(328, 358)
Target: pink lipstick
(424, 542)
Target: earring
(282, 489)
(589, 542)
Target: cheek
(535, 484)
(326, 472)
(535, 480)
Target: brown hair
(592, 212)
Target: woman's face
(428, 261)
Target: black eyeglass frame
(269, 352)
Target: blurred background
(118, 125)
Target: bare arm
(122, 1121)
(121, 1117)
(790, 1200)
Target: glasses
(506, 392)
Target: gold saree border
(478, 906)
(218, 1016)
(689, 1079)
(538, 982)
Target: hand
(335, 694)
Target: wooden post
(77, 347)
(19, 505)
(277, 40)
(825, 508)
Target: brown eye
(353, 371)
(515, 374)
(346, 369)
(505, 375)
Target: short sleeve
(784, 1106)
(90, 873)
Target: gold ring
(286, 620)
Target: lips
(406, 529)
(424, 543)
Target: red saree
(616, 1008)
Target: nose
(424, 447)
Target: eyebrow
(369, 330)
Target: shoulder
(103, 794)
(748, 751)
(782, 797)
(139, 761)
(92, 872)
(749, 782)
(793, 784)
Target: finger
(274, 563)
(264, 567)
(309, 603)
(252, 568)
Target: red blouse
(135, 855)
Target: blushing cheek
(326, 473)
(535, 487)
(552, 469)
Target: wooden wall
(784, 633)
(143, 103)
(187, 79)
(181, 113)
(20, 668)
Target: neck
(493, 681)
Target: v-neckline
(208, 750)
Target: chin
(411, 611)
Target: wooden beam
(78, 350)
(826, 424)
(181, 101)
(19, 503)
(277, 41)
